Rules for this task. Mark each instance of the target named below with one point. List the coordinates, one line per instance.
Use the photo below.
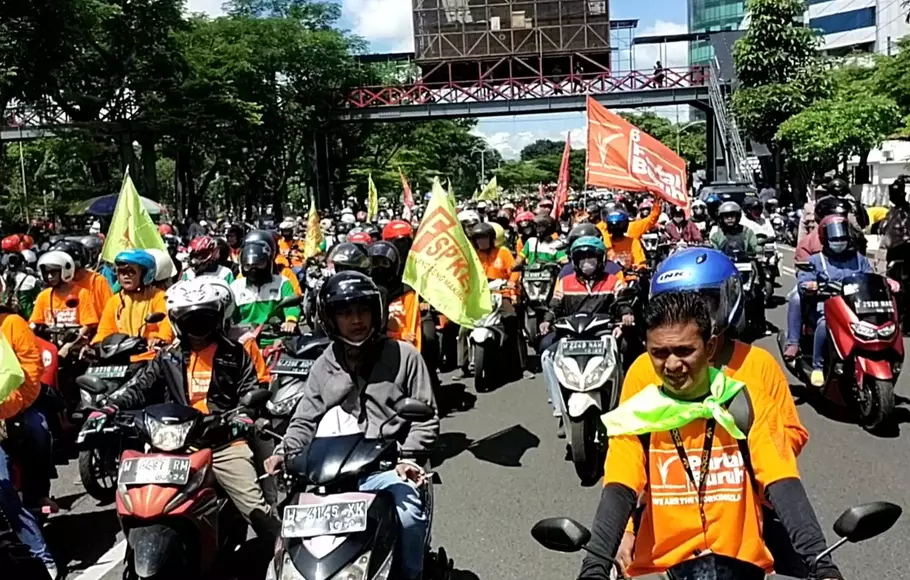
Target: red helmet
(396, 229)
(28, 242)
(360, 238)
(165, 230)
(203, 251)
(524, 216)
(11, 244)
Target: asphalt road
(502, 469)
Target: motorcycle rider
(541, 248)
(20, 288)
(210, 372)
(260, 289)
(680, 229)
(401, 235)
(754, 219)
(95, 283)
(623, 239)
(579, 231)
(288, 245)
(281, 266)
(732, 236)
(837, 260)
(837, 192)
(138, 297)
(364, 372)
(51, 306)
(524, 224)
(234, 240)
(590, 289)
(714, 276)
(895, 229)
(204, 256)
(673, 415)
(403, 307)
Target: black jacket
(164, 380)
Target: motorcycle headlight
(887, 330)
(284, 406)
(864, 330)
(356, 570)
(568, 373)
(167, 437)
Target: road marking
(105, 563)
(788, 271)
(783, 247)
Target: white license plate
(537, 277)
(291, 365)
(744, 267)
(154, 471)
(584, 348)
(327, 519)
(108, 372)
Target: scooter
(857, 524)
(865, 348)
(588, 366)
(537, 283)
(486, 341)
(330, 529)
(769, 260)
(175, 522)
(291, 364)
(753, 292)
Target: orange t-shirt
(671, 529)
(404, 318)
(97, 286)
(749, 364)
(629, 250)
(130, 318)
(20, 336)
(199, 372)
(51, 309)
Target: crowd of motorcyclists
(617, 293)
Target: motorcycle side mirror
(413, 410)
(255, 398)
(155, 317)
(859, 523)
(72, 301)
(92, 384)
(804, 266)
(561, 534)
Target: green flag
(372, 199)
(131, 225)
(490, 191)
(443, 267)
(11, 375)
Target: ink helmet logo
(673, 276)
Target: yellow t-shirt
(126, 313)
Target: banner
(490, 191)
(407, 198)
(442, 266)
(11, 375)
(622, 156)
(562, 185)
(313, 232)
(131, 225)
(372, 199)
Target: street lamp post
(683, 128)
(483, 170)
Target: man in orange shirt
(63, 305)
(702, 467)
(623, 239)
(96, 284)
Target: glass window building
(712, 16)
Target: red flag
(622, 156)
(562, 185)
(541, 192)
(408, 197)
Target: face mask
(587, 266)
(678, 220)
(837, 247)
(483, 244)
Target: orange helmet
(360, 238)
(165, 230)
(396, 229)
(11, 244)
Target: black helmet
(236, 230)
(76, 251)
(224, 250)
(546, 226)
(92, 245)
(265, 237)
(345, 289)
(482, 230)
(385, 262)
(347, 256)
(837, 187)
(831, 206)
(373, 230)
(582, 230)
(256, 262)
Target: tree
(520, 176)
(541, 148)
(688, 140)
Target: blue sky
(387, 25)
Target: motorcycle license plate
(290, 365)
(584, 348)
(324, 519)
(537, 276)
(108, 372)
(154, 471)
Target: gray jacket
(400, 372)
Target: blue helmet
(707, 272)
(141, 259)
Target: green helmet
(588, 243)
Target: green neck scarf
(652, 410)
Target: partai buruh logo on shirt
(670, 484)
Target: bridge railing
(525, 87)
(49, 114)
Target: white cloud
(672, 54)
(386, 23)
(210, 7)
(509, 144)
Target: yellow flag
(490, 191)
(313, 232)
(131, 226)
(372, 199)
(11, 375)
(442, 266)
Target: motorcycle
(588, 367)
(175, 523)
(791, 235)
(865, 350)
(649, 242)
(291, 364)
(330, 529)
(857, 524)
(769, 260)
(537, 283)
(753, 291)
(486, 341)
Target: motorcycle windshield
(869, 296)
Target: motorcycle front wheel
(483, 371)
(876, 403)
(98, 472)
(582, 442)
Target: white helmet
(346, 211)
(164, 266)
(202, 294)
(30, 257)
(325, 224)
(348, 218)
(287, 224)
(469, 217)
(60, 260)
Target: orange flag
(622, 156)
(562, 185)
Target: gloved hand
(97, 419)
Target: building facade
(711, 16)
(858, 25)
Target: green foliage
(541, 148)
(691, 143)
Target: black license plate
(293, 365)
(584, 348)
(108, 372)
